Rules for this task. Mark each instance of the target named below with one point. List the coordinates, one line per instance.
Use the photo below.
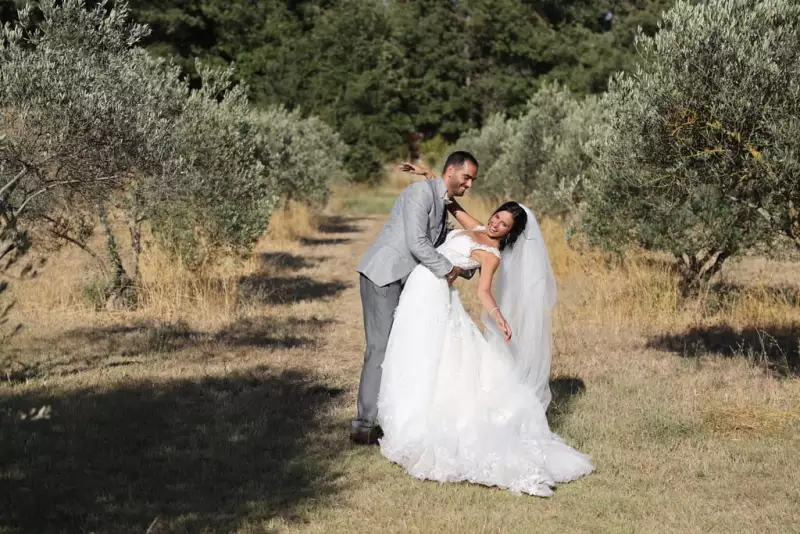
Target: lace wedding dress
(452, 406)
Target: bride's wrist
(496, 308)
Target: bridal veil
(525, 290)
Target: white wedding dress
(454, 406)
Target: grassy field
(221, 404)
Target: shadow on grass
(564, 390)
(284, 261)
(96, 348)
(261, 289)
(186, 455)
(315, 242)
(340, 225)
(776, 348)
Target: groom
(416, 226)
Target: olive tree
(95, 131)
(542, 157)
(77, 116)
(222, 194)
(238, 164)
(701, 154)
(84, 114)
(304, 155)
(487, 145)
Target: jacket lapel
(439, 213)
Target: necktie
(442, 228)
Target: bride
(456, 404)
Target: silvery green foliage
(224, 186)
(702, 153)
(302, 155)
(81, 112)
(90, 119)
(517, 172)
(570, 166)
(239, 164)
(542, 158)
(486, 144)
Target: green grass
(368, 202)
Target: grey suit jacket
(408, 238)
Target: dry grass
(170, 290)
(756, 422)
(221, 405)
(291, 221)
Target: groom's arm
(418, 204)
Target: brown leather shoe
(366, 436)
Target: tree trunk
(121, 293)
(7, 245)
(414, 147)
(136, 249)
(13, 243)
(136, 216)
(698, 270)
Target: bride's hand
(416, 169)
(503, 325)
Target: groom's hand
(467, 275)
(453, 274)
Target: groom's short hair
(458, 159)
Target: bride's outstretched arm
(418, 169)
(464, 219)
(489, 264)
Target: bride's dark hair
(520, 219)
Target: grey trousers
(378, 304)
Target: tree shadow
(160, 336)
(284, 261)
(564, 390)
(314, 242)
(94, 348)
(185, 455)
(340, 225)
(260, 289)
(776, 348)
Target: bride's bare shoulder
(486, 257)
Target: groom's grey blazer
(416, 226)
